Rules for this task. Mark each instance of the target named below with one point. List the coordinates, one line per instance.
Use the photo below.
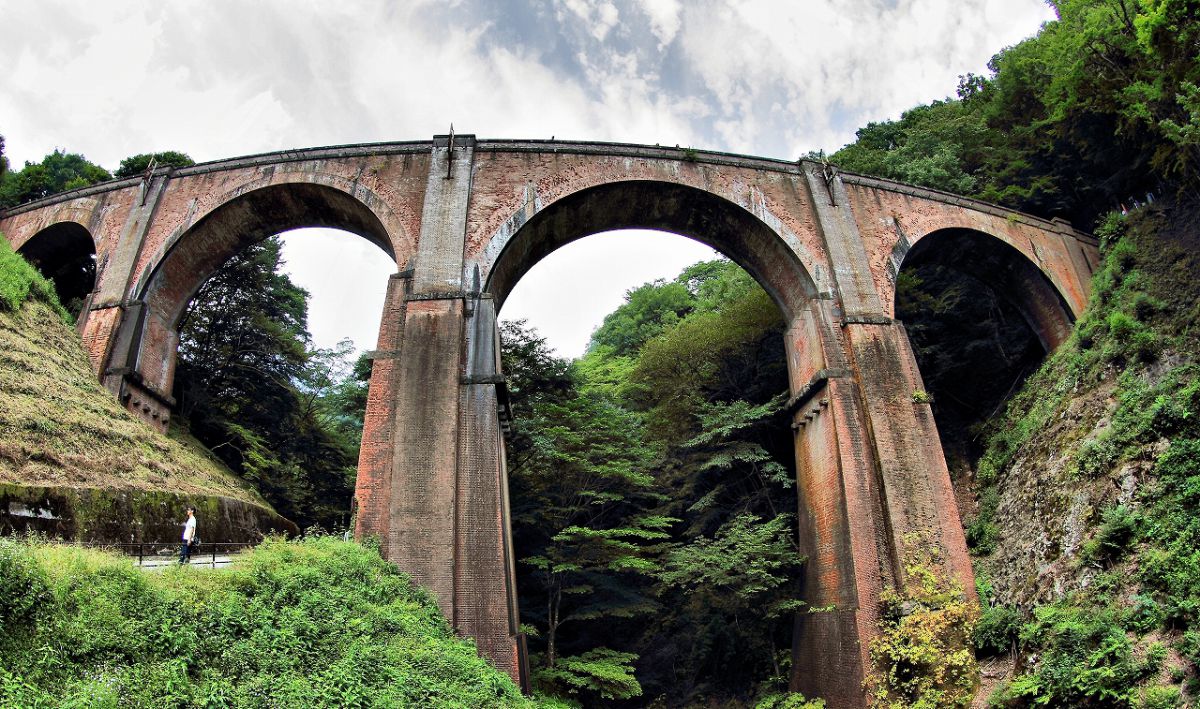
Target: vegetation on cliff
(318, 622)
(60, 429)
(1082, 507)
(1094, 469)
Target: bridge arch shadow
(981, 317)
(65, 253)
(1011, 274)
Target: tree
(587, 543)
(137, 164)
(648, 311)
(253, 389)
(57, 172)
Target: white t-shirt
(189, 530)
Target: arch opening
(226, 334)
(981, 317)
(677, 209)
(65, 253)
(702, 364)
(246, 220)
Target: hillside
(75, 460)
(1085, 532)
(318, 622)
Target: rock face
(130, 516)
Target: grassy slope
(1087, 528)
(60, 428)
(318, 622)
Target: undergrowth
(922, 657)
(319, 622)
(1127, 638)
(19, 281)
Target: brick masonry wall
(431, 478)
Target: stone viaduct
(464, 219)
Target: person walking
(189, 536)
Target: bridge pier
(432, 483)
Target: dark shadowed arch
(1009, 272)
(679, 209)
(65, 253)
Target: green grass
(59, 428)
(314, 623)
(19, 281)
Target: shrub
(319, 622)
(922, 656)
(997, 630)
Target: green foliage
(620, 491)
(743, 562)
(23, 587)
(281, 414)
(57, 172)
(1115, 534)
(314, 623)
(648, 311)
(789, 700)
(1087, 660)
(599, 672)
(1098, 109)
(922, 657)
(137, 164)
(1084, 650)
(19, 281)
(997, 630)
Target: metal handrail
(139, 549)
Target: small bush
(789, 700)
(922, 657)
(1160, 698)
(998, 630)
(1115, 533)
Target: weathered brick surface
(885, 218)
(432, 483)
(372, 491)
(422, 521)
(484, 607)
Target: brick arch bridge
(464, 219)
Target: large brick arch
(244, 217)
(626, 204)
(249, 215)
(1009, 271)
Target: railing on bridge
(159, 554)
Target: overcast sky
(218, 79)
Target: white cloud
(221, 79)
(664, 19)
